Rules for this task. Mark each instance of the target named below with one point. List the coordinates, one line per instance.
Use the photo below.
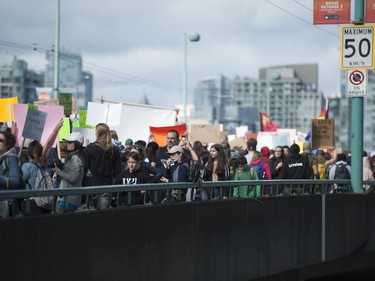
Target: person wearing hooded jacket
(296, 166)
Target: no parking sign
(356, 83)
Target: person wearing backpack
(245, 172)
(30, 173)
(260, 166)
(71, 173)
(9, 169)
(341, 170)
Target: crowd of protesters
(109, 162)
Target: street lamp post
(273, 76)
(193, 37)
(57, 54)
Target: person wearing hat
(177, 171)
(72, 172)
(313, 160)
(128, 144)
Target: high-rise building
(287, 93)
(71, 75)
(17, 80)
(211, 95)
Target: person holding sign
(72, 172)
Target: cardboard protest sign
(206, 133)
(238, 142)
(66, 101)
(322, 133)
(6, 109)
(34, 124)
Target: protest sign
(34, 124)
(66, 101)
(206, 133)
(322, 133)
(55, 113)
(6, 109)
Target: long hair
(34, 150)
(222, 161)
(103, 136)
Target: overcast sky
(122, 42)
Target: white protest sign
(34, 124)
(103, 113)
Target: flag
(266, 124)
(308, 136)
(159, 134)
(324, 113)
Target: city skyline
(136, 49)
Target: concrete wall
(226, 240)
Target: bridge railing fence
(154, 193)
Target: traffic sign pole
(357, 121)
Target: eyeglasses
(2, 140)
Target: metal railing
(266, 188)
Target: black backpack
(341, 172)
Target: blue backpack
(258, 168)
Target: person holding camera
(71, 173)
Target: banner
(47, 102)
(331, 12)
(160, 133)
(6, 109)
(135, 120)
(109, 114)
(370, 11)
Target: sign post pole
(357, 121)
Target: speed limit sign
(356, 47)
